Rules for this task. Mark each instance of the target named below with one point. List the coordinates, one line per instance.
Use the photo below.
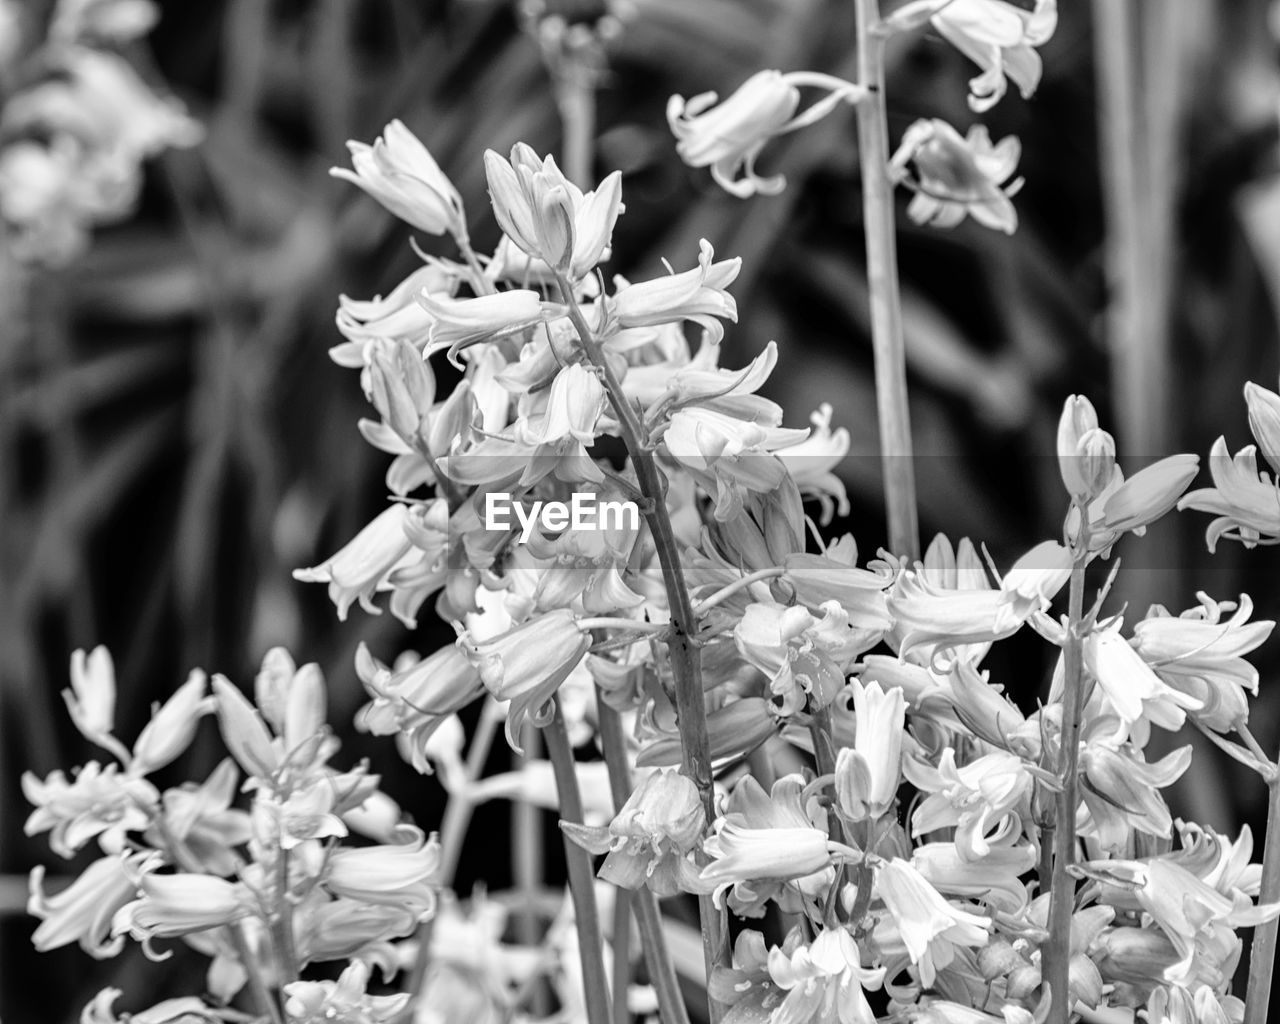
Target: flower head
(953, 175)
(399, 172)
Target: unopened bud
(1264, 421)
(1078, 418)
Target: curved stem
(1057, 957)
(686, 664)
(662, 971)
(882, 282)
(582, 877)
(729, 589)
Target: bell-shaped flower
(734, 730)
(1199, 654)
(767, 836)
(398, 317)
(416, 698)
(172, 727)
(992, 879)
(182, 1010)
(834, 576)
(572, 409)
(547, 216)
(1131, 688)
(824, 981)
(201, 824)
(82, 912)
(980, 706)
(362, 568)
(399, 172)
(999, 36)
(174, 905)
(397, 875)
(458, 323)
(98, 802)
(323, 1002)
(929, 927)
(802, 655)
(812, 462)
(91, 700)
(699, 295)
(1078, 419)
(1141, 499)
(926, 614)
(1246, 501)
(976, 799)
(729, 136)
(1122, 792)
(1173, 1004)
(868, 773)
(649, 839)
(527, 664)
(954, 176)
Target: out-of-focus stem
(582, 878)
(683, 655)
(662, 972)
(1135, 328)
(1262, 955)
(453, 831)
(1062, 901)
(882, 282)
(261, 994)
(621, 933)
(286, 950)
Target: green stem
(1262, 954)
(1057, 957)
(882, 282)
(582, 877)
(686, 664)
(662, 971)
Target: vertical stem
(257, 986)
(685, 659)
(1138, 362)
(662, 972)
(582, 877)
(576, 97)
(1062, 902)
(1262, 954)
(621, 954)
(526, 857)
(882, 281)
(286, 949)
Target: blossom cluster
(792, 732)
(78, 121)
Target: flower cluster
(318, 866)
(77, 133)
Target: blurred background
(174, 439)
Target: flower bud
(243, 731)
(1149, 494)
(1264, 421)
(1097, 455)
(399, 172)
(868, 774)
(997, 958)
(1078, 418)
(91, 701)
(172, 728)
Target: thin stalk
(1262, 954)
(662, 971)
(621, 931)
(286, 949)
(882, 282)
(527, 869)
(453, 830)
(1062, 902)
(261, 994)
(683, 655)
(582, 876)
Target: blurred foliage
(174, 439)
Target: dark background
(174, 439)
